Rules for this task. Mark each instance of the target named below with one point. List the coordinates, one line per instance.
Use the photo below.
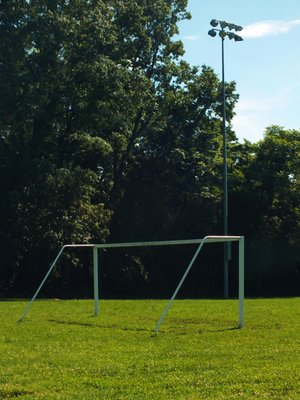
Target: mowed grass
(60, 351)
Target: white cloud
(191, 37)
(256, 111)
(249, 127)
(261, 103)
(266, 28)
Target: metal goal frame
(200, 242)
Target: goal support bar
(200, 242)
(213, 239)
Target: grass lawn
(60, 351)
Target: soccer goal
(199, 242)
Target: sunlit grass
(60, 351)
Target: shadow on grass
(112, 326)
(134, 329)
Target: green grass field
(60, 351)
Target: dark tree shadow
(132, 329)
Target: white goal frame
(200, 242)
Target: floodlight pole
(225, 184)
(231, 35)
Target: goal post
(200, 242)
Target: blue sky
(265, 66)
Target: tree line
(108, 134)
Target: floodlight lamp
(231, 26)
(222, 34)
(238, 38)
(214, 22)
(212, 33)
(223, 24)
(231, 35)
(238, 28)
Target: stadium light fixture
(224, 29)
(212, 33)
(214, 22)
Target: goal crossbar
(200, 242)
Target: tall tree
(78, 87)
(174, 186)
(266, 209)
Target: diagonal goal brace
(200, 242)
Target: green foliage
(178, 163)
(106, 133)
(77, 86)
(60, 351)
(265, 199)
(277, 178)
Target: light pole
(219, 27)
